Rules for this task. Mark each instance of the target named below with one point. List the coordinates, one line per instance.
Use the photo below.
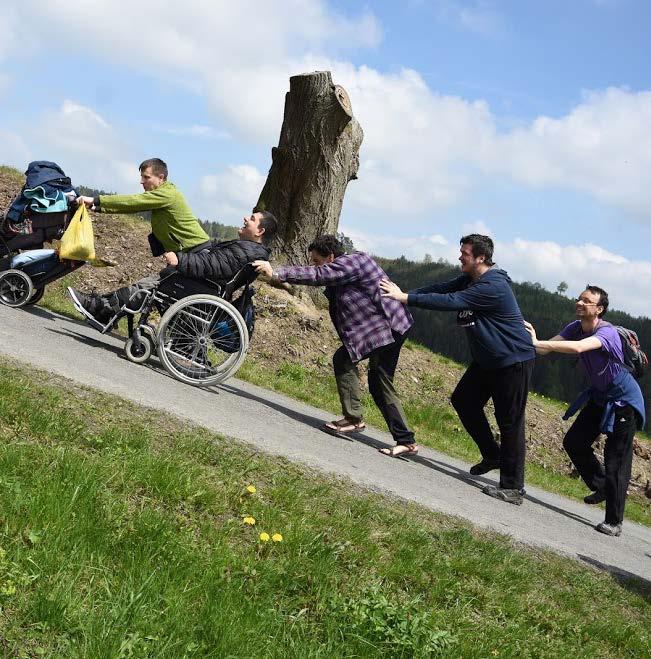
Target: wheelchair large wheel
(36, 295)
(16, 288)
(202, 340)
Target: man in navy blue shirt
(502, 359)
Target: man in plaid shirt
(369, 326)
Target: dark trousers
(509, 388)
(381, 370)
(618, 455)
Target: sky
(525, 120)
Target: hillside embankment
(292, 330)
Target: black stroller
(39, 214)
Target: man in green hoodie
(175, 230)
(174, 227)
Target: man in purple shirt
(369, 326)
(612, 405)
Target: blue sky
(526, 120)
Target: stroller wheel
(36, 295)
(140, 353)
(16, 288)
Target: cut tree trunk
(318, 153)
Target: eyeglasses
(586, 303)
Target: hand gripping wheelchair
(202, 337)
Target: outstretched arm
(559, 344)
(344, 269)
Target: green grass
(435, 425)
(13, 174)
(122, 535)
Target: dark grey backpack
(635, 358)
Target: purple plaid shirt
(362, 317)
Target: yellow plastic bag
(78, 242)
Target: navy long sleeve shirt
(495, 328)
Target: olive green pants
(381, 370)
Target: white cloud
(87, 147)
(422, 150)
(196, 130)
(546, 262)
(230, 193)
(413, 248)
(602, 147)
(476, 227)
(626, 281)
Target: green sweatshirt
(172, 221)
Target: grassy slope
(129, 540)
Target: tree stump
(317, 154)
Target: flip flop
(409, 450)
(344, 427)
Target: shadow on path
(437, 465)
(90, 341)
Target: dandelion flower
(276, 537)
(264, 537)
(250, 489)
(249, 520)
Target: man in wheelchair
(219, 262)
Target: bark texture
(317, 154)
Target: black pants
(509, 388)
(618, 455)
(381, 370)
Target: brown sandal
(400, 450)
(344, 426)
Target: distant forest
(558, 376)
(219, 231)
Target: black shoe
(594, 498)
(504, 494)
(484, 467)
(609, 529)
(93, 306)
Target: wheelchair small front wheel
(16, 288)
(140, 352)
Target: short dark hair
(326, 245)
(603, 297)
(481, 246)
(158, 167)
(269, 223)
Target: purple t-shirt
(602, 366)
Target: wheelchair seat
(178, 286)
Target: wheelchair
(201, 338)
